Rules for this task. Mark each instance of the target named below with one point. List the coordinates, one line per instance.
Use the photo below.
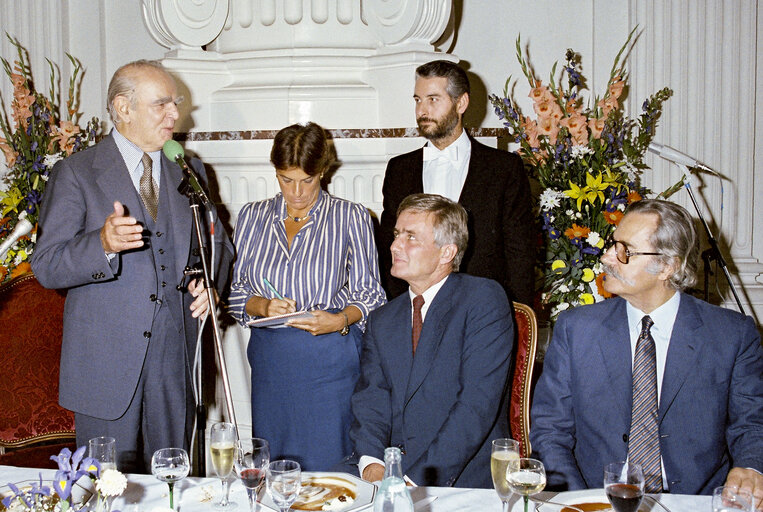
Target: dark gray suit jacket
(711, 402)
(444, 406)
(496, 195)
(108, 307)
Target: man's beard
(442, 127)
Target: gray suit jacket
(109, 312)
(711, 404)
(444, 406)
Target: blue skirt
(301, 390)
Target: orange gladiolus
(613, 217)
(577, 232)
(23, 268)
(600, 286)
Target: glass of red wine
(251, 462)
(624, 485)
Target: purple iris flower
(63, 484)
(63, 459)
(591, 250)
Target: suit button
(159, 233)
(146, 334)
(162, 267)
(402, 448)
(164, 284)
(161, 251)
(152, 297)
(625, 438)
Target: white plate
(592, 496)
(364, 491)
(82, 491)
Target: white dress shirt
(444, 171)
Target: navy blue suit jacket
(444, 406)
(711, 403)
(108, 307)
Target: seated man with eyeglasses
(654, 376)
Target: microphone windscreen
(172, 150)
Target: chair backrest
(521, 383)
(31, 327)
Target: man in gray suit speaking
(115, 232)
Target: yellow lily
(594, 188)
(575, 192)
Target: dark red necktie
(418, 301)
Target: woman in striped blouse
(305, 250)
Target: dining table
(144, 493)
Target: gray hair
(458, 82)
(450, 224)
(675, 237)
(124, 83)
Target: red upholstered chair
(32, 424)
(522, 380)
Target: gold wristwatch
(346, 329)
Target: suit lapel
(417, 172)
(615, 350)
(180, 218)
(682, 353)
(432, 333)
(397, 343)
(473, 188)
(113, 178)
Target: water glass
(104, 450)
(732, 499)
(284, 479)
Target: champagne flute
(624, 485)
(222, 447)
(504, 450)
(284, 479)
(252, 458)
(732, 499)
(526, 477)
(170, 465)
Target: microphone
(675, 156)
(22, 228)
(175, 152)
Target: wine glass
(104, 450)
(284, 478)
(732, 499)
(624, 485)
(170, 465)
(526, 477)
(252, 458)
(222, 447)
(503, 451)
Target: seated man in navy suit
(435, 361)
(654, 376)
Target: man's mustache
(610, 271)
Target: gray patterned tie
(644, 440)
(148, 187)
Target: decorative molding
(408, 22)
(340, 133)
(186, 24)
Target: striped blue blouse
(332, 262)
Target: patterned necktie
(644, 440)
(148, 187)
(418, 301)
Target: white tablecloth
(144, 492)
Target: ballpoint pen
(272, 289)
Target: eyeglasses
(623, 253)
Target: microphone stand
(195, 199)
(715, 252)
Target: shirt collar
(663, 317)
(457, 151)
(316, 209)
(133, 155)
(429, 295)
